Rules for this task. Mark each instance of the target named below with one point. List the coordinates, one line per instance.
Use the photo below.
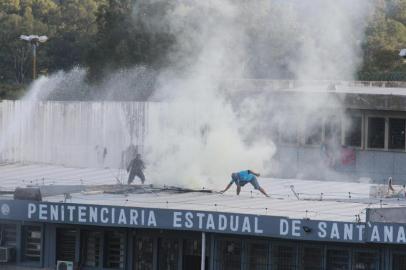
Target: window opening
(168, 254)
(32, 243)
(115, 247)
(90, 248)
(284, 257)
(143, 253)
(228, 255)
(376, 132)
(257, 255)
(396, 134)
(65, 244)
(353, 131)
(312, 258)
(338, 260)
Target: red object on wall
(347, 156)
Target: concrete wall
(310, 163)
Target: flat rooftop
(292, 198)
(395, 88)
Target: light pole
(402, 53)
(34, 40)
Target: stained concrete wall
(310, 163)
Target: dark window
(399, 261)
(65, 244)
(168, 254)
(332, 130)
(257, 256)
(143, 253)
(313, 131)
(366, 261)
(396, 133)
(338, 260)
(312, 258)
(228, 255)
(353, 131)
(284, 257)
(192, 254)
(8, 235)
(31, 238)
(90, 248)
(114, 247)
(376, 132)
(288, 131)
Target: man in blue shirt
(242, 178)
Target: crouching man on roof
(242, 178)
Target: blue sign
(218, 222)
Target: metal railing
(267, 84)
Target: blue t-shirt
(243, 176)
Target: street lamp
(402, 53)
(34, 40)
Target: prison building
(322, 130)
(363, 122)
(67, 218)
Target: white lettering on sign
(334, 232)
(348, 231)
(388, 233)
(322, 229)
(296, 228)
(32, 208)
(177, 219)
(216, 222)
(292, 229)
(43, 212)
(401, 235)
(209, 222)
(82, 214)
(361, 228)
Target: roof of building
(316, 200)
(395, 88)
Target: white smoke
(200, 130)
(226, 40)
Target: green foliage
(108, 35)
(385, 36)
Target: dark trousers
(134, 173)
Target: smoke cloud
(199, 127)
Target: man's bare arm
(254, 173)
(227, 187)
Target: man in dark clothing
(135, 168)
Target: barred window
(228, 254)
(90, 248)
(284, 257)
(8, 235)
(399, 261)
(168, 254)
(115, 248)
(143, 253)
(366, 260)
(257, 255)
(312, 258)
(65, 244)
(338, 259)
(192, 254)
(31, 238)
